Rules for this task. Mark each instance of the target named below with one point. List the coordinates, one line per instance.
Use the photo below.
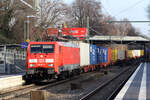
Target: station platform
(138, 85)
(10, 81)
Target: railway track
(10, 94)
(107, 90)
(26, 89)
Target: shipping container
(121, 54)
(114, 55)
(93, 54)
(84, 54)
(129, 54)
(142, 52)
(105, 56)
(109, 55)
(99, 55)
(136, 53)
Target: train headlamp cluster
(50, 65)
(32, 60)
(46, 60)
(32, 65)
(49, 60)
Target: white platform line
(127, 85)
(142, 93)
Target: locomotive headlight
(49, 60)
(32, 65)
(50, 65)
(32, 60)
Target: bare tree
(6, 13)
(128, 29)
(120, 29)
(108, 28)
(81, 9)
(12, 16)
(50, 14)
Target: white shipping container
(121, 54)
(136, 53)
(84, 54)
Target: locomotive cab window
(42, 48)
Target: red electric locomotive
(79, 33)
(47, 60)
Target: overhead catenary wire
(99, 33)
(108, 12)
(135, 4)
(129, 8)
(95, 30)
(128, 21)
(124, 10)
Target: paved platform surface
(9, 81)
(138, 85)
(10, 75)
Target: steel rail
(91, 93)
(116, 91)
(23, 91)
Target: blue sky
(131, 9)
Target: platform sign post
(24, 44)
(28, 40)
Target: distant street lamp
(28, 21)
(35, 8)
(28, 26)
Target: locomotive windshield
(42, 48)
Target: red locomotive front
(46, 60)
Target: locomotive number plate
(41, 60)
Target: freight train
(47, 60)
(78, 33)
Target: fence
(11, 60)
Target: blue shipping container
(102, 55)
(99, 55)
(105, 55)
(93, 54)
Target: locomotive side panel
(70, 58)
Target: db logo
(41, 60)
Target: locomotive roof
(67, 44)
